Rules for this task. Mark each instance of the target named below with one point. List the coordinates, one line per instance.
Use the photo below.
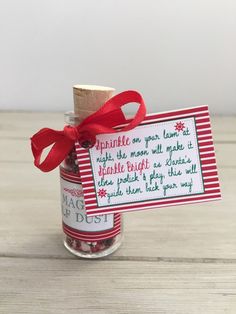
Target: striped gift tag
(169, 159)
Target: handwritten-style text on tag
(167, 160)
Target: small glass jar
(88, 237)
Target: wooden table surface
(173, 260)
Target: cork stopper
(89, 98)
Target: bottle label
(75, 221)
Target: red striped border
(70, 176)
(94, 236)
(207, 160)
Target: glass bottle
(88, 237)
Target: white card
(167, 160)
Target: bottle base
(88, 255)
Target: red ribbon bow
(100, 122)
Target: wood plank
(31, 221)
(28, 123)
(224, 128)
(100, 287)
(25, 124)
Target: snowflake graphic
(179, 126)
(102, 193)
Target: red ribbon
(102, 121)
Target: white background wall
(178, 53)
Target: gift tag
(167, 160)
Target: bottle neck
(71, 118)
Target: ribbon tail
(45, 138)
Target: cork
(89, 98)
